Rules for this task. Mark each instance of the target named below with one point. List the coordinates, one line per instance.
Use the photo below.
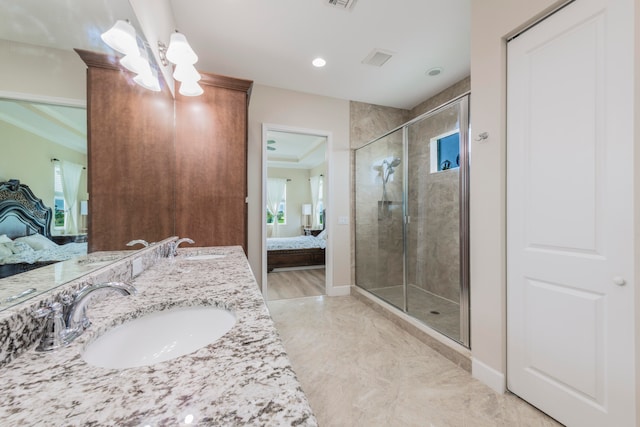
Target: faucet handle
(138, 241)
(53, 336)
(54, 307)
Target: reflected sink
(159, 336)
(203, 257)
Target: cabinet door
(211, 167)
(130, 155)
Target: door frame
(328, 183)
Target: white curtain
(314, 181)
(71, 173)
(275, 192)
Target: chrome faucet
(67, 322)
(138, 241)
(174, 246)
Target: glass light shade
(135, 63)
(121, 37)
(179, 51)
(190, 88)
(148, 81)
(186, 72)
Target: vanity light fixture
(190, 88)
(180, 53)
(122, 38)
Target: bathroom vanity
(243, 378)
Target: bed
(25, 232)
(299, 251)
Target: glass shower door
(411, 218)
(379, 218)
(437, 173)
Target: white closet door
(570, 284)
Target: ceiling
(59, 124)
(295, 150)
(273, 42)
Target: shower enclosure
(411, 218)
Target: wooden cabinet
(130, 155)
(211, 162)
(159, 167)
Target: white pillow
(5, 239)
(4, 250)
(322, 234)
(18, 247)
(37, 242)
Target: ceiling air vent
(377, 57)
(342, 4)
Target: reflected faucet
(67, 322)
(138, 241)
(174, 246)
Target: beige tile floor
(360, 369)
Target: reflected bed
(25, 236)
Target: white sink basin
(158, 337)
(203, 257)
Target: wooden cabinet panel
(131, 162)
(159, 167)
(211, 163)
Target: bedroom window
(282, 210)
(320, 207)
(59, 210)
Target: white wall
(492, 21)
(301, 110)
(42, 72)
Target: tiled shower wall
(433, 262)
(433, 240)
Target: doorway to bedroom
(294, 216)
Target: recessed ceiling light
(319, 62)
(434, 71)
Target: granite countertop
(244, 378)
(44, 278)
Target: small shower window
(445, 151)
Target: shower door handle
(407, 219)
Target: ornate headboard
(21, 212)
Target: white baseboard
(487, 375)
(339, 291)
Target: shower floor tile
(438, 313)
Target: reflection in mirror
(43, 117)
(44, 185)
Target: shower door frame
(463, 189)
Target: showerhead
(395, 162)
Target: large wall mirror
(43, 127)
